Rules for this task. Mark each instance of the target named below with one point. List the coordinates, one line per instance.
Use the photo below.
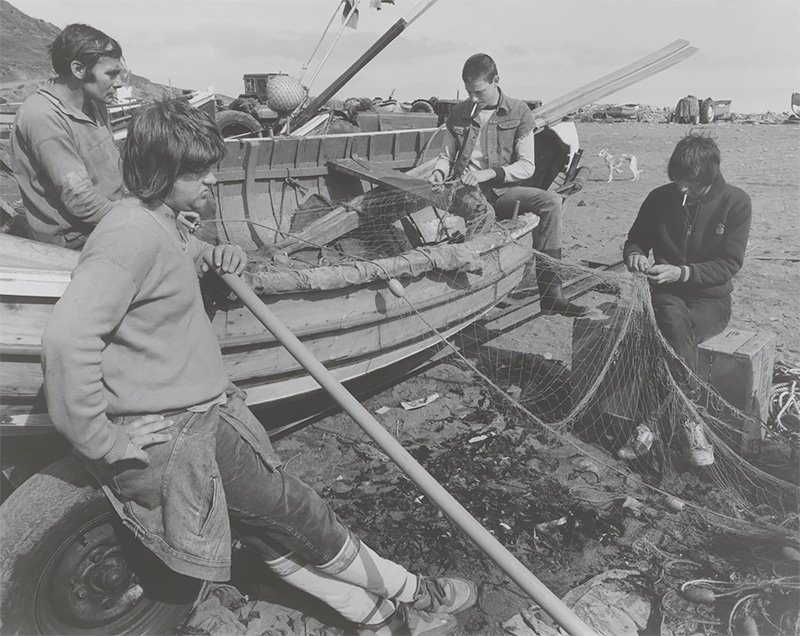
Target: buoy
(697, 594)
(396, 287)
(674, 503)
(790, 553)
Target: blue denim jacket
(176, 506)
(511, 121)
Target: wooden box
(738, 364)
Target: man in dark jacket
(697, 228)
(489, 145)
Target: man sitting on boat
(489, 144)
(62, 147)
(134, 379)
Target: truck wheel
(65, 564)
(707, 112)
(234, 123)
(422, 106)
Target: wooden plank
(380, 176)
(336, 223)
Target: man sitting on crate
(62, 148)
(697, 228)
(489, 145)
(134, 379)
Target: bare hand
(436, 179)
(637, 263)
(225, 259)
(143, 432)
(475, 177)
(190, 220)
(662, 274)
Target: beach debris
(480, 438)
(549, 525)
(674, 503)
(418, 404)
(382, 410)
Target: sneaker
(699, 451)
(447, 595)
(639, 444)
(410, 621)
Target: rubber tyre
(422, 106)
(707, 112)
(234, 123)
(60, 536)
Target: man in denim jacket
(489, 144)
(134, 380)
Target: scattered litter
(548, 355)
(514, 391)
(547, 525)
(674, 503)
(382, 410)
(790, 554)
(505, 525)
(634, 505)
(418, 404)
(480, 438)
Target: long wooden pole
(518, 573)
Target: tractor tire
(234, 123)
(707, 112)
(68, 566)
(422, 106)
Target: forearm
(64, 168)
(72, 355)
(447, 155)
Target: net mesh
(568, 394)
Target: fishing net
(558, 399)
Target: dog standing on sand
(616, 162)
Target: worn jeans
(546, 205)
(271, 511)
(218, 470)
(686, 322)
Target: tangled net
(583, 385)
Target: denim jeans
(271, 511)
(686, 322)
(546, 205)
(219, 470)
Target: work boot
(445, 595)
(551, 298)
(699, 451)
(639, 444)
(408, 621)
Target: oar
(515, 570)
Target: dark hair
(167, 139)
(84, 44)
(695, 158)
(479, 67)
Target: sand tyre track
(64, 564)
(234, 123)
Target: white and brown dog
(616, 162)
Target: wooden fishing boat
(345, 313)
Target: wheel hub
(91, 584)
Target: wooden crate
(738, 364)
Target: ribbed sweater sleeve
(72, 354)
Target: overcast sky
(749, 50)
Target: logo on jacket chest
(720, 229)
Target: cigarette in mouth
(685, 195)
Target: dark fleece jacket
(709, 238)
